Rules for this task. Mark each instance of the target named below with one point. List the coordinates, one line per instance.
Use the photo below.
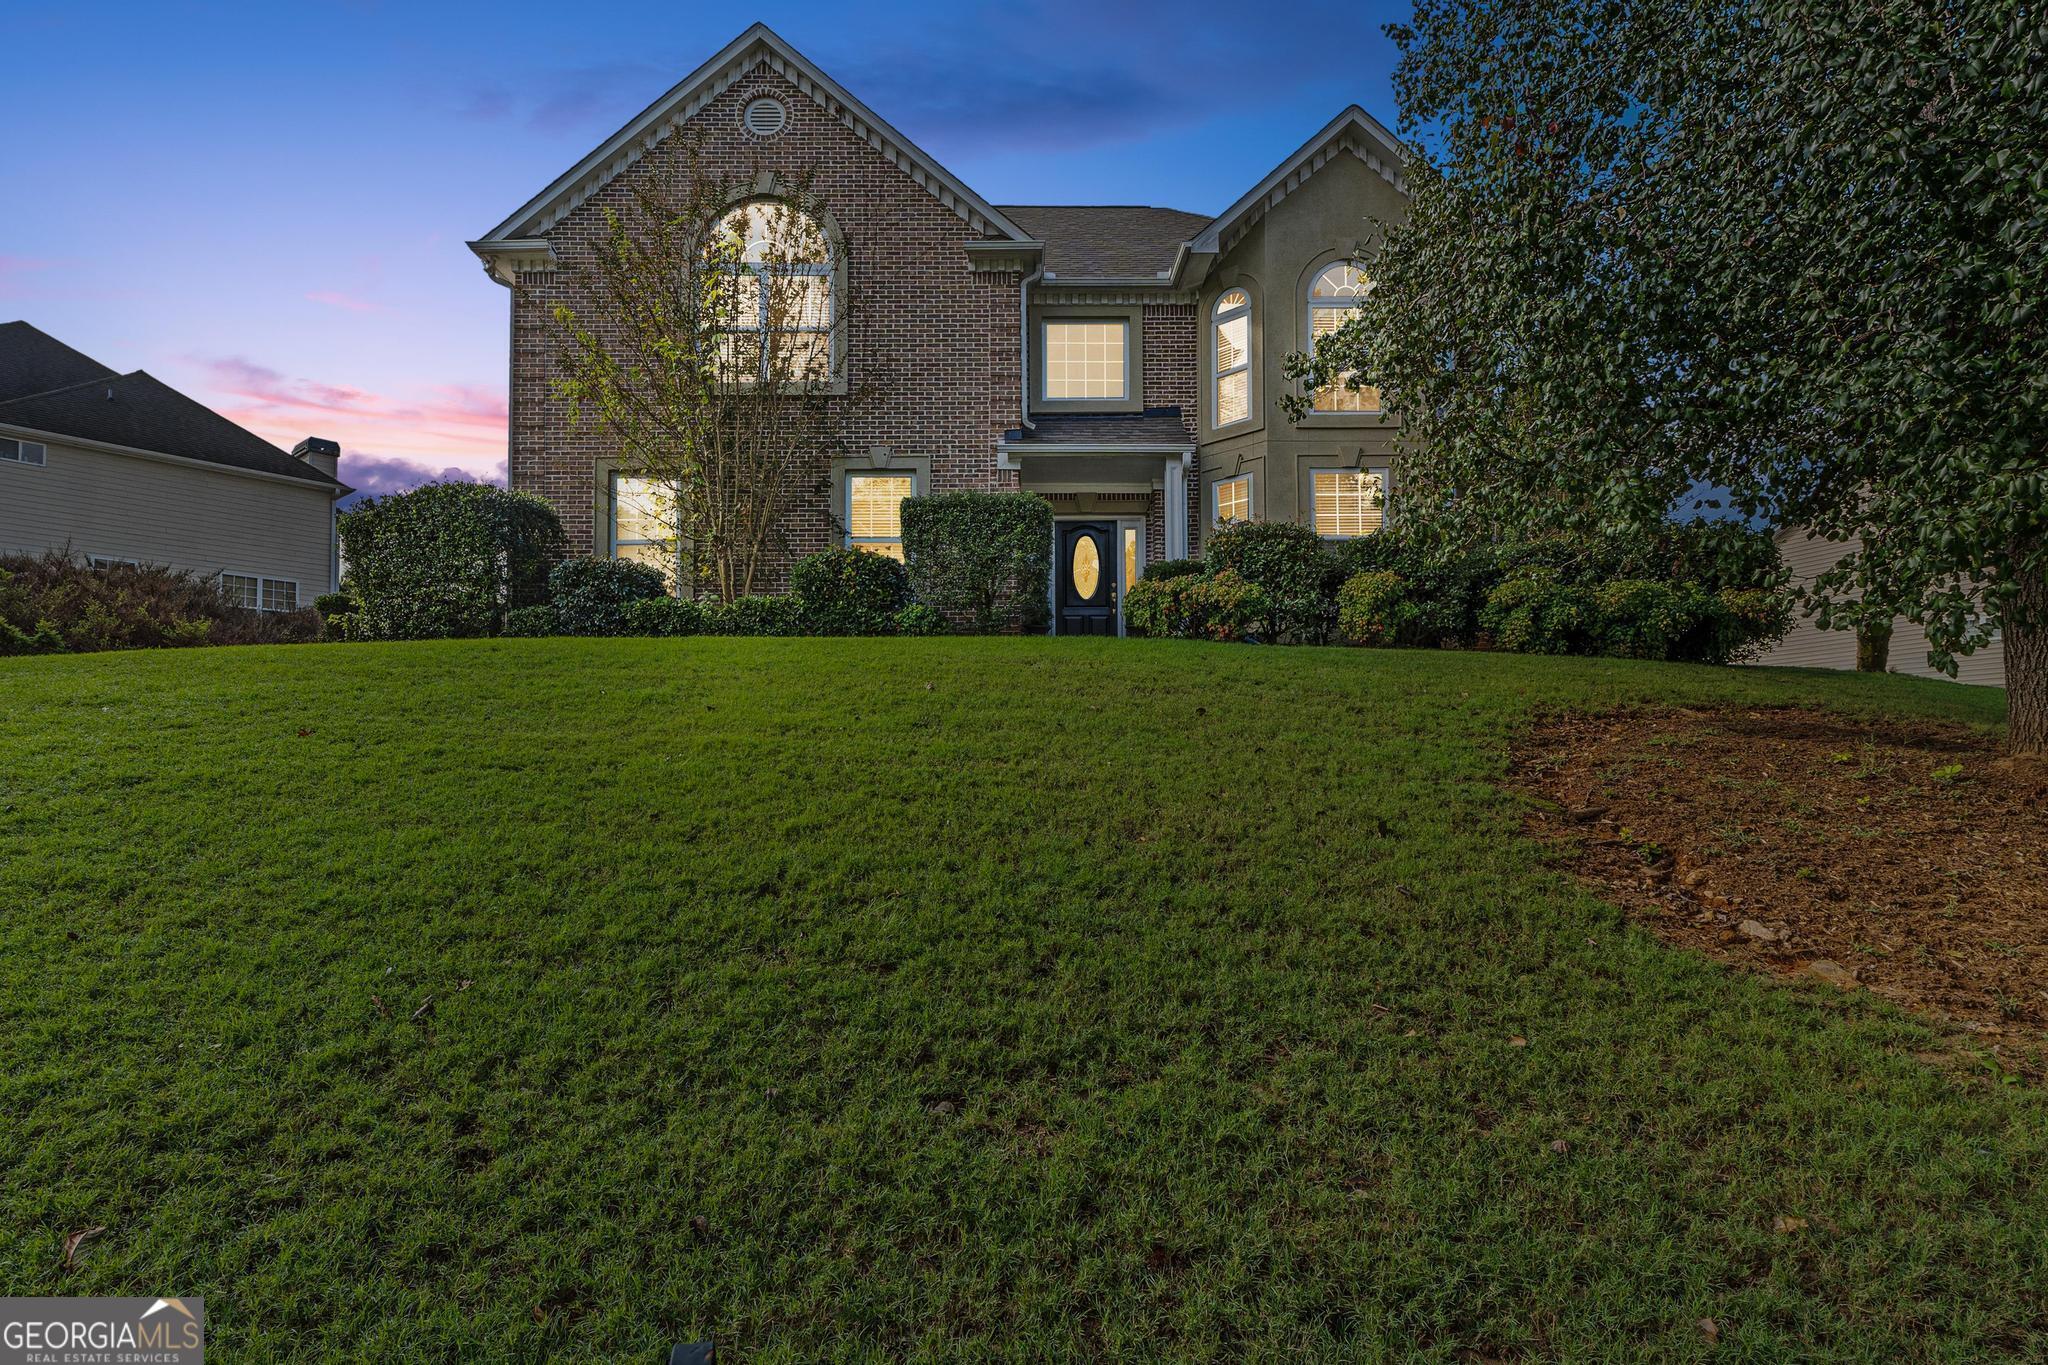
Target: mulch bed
(1909, 860)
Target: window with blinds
(1333, 301)
(1348, 502)
(643, 523)
(1233, 499)
(1087, 360)
(1231, 338)
(874, 512)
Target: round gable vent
(765, 118)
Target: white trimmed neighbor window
(644, 523)
(1230, 341)
(1233, 499)
(1333, 301)
(783, 292)
(22, 452)
(874, 511)
(257, 593)
(1348, 503)
(1087, 360)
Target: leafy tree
(1793, 249)
(707, 336)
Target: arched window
(1333, 301)
(780, 316)
(1230, 339)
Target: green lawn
(936, 999)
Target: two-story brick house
(1124, 362)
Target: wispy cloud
(566, 99)
(456, 421)
(334, 298)
(375, 475)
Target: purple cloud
(375, 475)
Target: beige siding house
(1808, 646)
(122, 467)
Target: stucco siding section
(1808, 646)
(180, 515)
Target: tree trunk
(1873, 647)
(2025, 627)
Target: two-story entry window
(1333, 301)
(1086, 361)
(874, 511)
(1233, 360)
(1348, 502)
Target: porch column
(1177, 507)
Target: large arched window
(780, 317)
(1333, 298)
(1231, 358)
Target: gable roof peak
(688, 96)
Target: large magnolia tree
(707, 336)
(1796, 250)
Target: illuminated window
(1231, 337)
(782, 291)
(644, 523)
(1130, 556)
(874, 512)
(1348, 502)
(1333, 301)
(1087, 360)
(1233, 499)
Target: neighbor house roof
(1107, 241)
(654, 123)
(141, 412)
(1150, 429)
(33, 361)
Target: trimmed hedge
(1161, 569)
(665, 617)
(984, 557)
(919, 619)
(755, 616)
(1289, 564)
(850, 592)
(530, 622)
(333, 604)
(446, 559)
(1373, 608)
(1221, 606)
(590, 596)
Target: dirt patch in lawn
(1910, 860)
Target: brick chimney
(323, 455)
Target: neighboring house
(1124, 362)
(124, 468)
(1808, 646)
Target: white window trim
(1315, 399)
(263, 586)
(611, 516)
(262, 580)
(1217, 374)
(1216, 498)
(763, 272)
(1386, 494)
(21, 448)
(119, 561)
(853, 476)
(1045, 326)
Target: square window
(1087, 361)
(280, 594)
(244, 590)
(1348, 502)
(1233, 499)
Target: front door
(1086, 572)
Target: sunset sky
(265, 205)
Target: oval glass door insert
(1087, 568)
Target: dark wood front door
(1086, 573)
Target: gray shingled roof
(142, 412)
(1106, 241)
(1152, 427)
(33, 361)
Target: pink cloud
(334, 298)
(457, 421)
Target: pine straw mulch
(1909, 860)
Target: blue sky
(265, 204)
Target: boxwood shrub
(919, 619)
(446, 559)
(590, 596)
(666, 616)
(849, 592)
(755, 616)
(1289, 565)
(1220, 606)
(530, 622)
(984, 557)
(1173, 568)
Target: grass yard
(935, 999)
